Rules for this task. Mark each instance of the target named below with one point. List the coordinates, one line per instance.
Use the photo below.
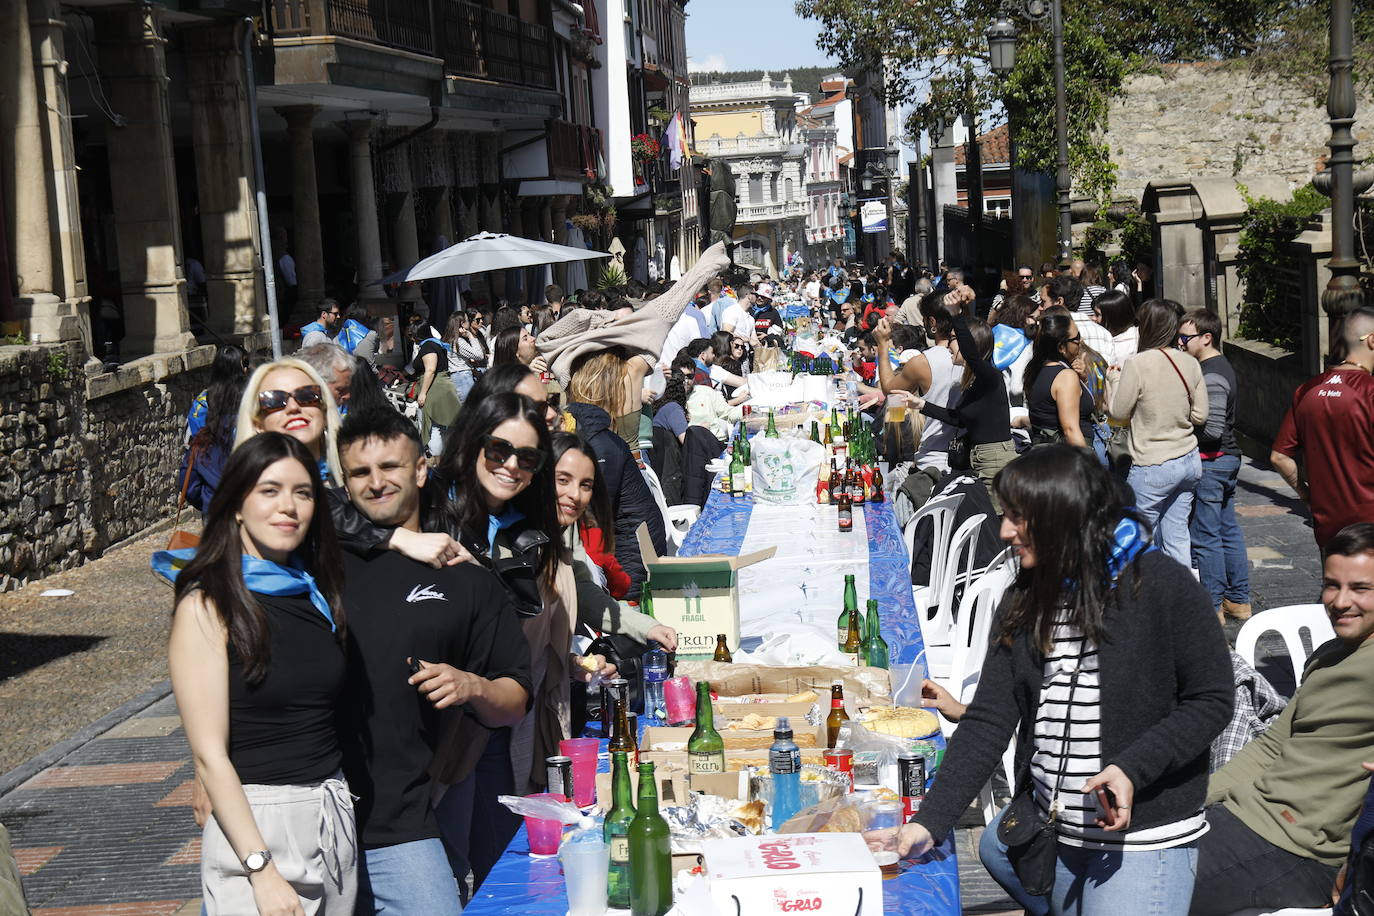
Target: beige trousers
(314, 844)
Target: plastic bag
(848, 813)
(875, 755)
(547, 809)
(785, 470)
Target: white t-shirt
(944, 387)
(737, 321)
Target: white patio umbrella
(493, 251)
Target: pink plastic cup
(583, 753)
(544, 835)
(680, 698)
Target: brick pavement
(107, 829)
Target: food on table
(901, 721)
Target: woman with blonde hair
(289, 396)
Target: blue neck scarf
(261, 576)
(509, 516)
(1129, 541)
(314, 326)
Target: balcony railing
(490, 45)
(472, 40)
(572, 150)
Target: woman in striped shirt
(1112, 674)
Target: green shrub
(1267, 313)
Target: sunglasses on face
(499, 451)
(1184, 338)
(1077, 338)
(275, 400)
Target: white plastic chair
(1288, 622)
(937, 621)
(941, 512)
(677, 520)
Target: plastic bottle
(655, 673)
(784, 763)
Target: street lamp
(1001, 36)
(1342, 293)
(879, 172)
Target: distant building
(995, 148)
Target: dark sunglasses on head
(275, 399)
(498, 451)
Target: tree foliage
(934, 56)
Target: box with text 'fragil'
(697, 596)
(817, 874)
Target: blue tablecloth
(928, 886)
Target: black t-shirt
(416, 367)
(282, 730)
(398, 608)
(765, 317)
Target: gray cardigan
(1166, 693)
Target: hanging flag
(673, 139)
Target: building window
(773, 188)
(788, 186)
(750, 252)
(756, 189)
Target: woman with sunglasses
(257, 662)
(1059, 409)
(289, 396)
(498, 500)
(727, 348)
(1161, 394)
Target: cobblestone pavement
(102, 826)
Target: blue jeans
(1218, 544)
(476, 827)
(1090, 882)
(408, 879)
(1164, 496)
(463, 382)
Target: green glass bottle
(772, 431)
(748, 451)
(851, 606)
(646, 599)
(617, 832)
(737, 473)
(651, 860)
(705, 747)
(815, 432)
(875, 647)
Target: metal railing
(472, 40)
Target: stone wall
(1218, 119)
(86, 461)
(1266, 378)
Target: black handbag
(959, 457)
(1029, 835)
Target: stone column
(235, 292)
(143, 181)
(441, 213)
(307, 247)
(400, 213)
(71, 319)
(558, 215)
(364, 199)
(24, 188)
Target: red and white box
(817, 874)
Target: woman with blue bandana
(1111, 672)
(257, 662)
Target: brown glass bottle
(621, 738)
(846, 510)
(837, 715)
(853, 640)
(876, 496)
(722, 650)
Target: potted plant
(644, 148)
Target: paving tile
(180, 796)
(188, 854)
(144, 727)
(139, 908)
(108, 774)
(31, 858)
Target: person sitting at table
(595, 396)
(495, 495)
(1094, 613)
(456, 629)
(1281, 811)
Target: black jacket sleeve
(636, 506)
(355, 531)
(969, 351)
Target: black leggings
(1237, 868)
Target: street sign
(874, 216)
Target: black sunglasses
(275, 399)
(1077, 338)
(1184, 338)
(498, 451)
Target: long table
(811, 553)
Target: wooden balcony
(572, 151)
(471, 40)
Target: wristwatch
(255, 862)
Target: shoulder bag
(181, 540)
(1029, 835)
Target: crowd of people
(420, 544)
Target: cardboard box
(697, 596)
(863, 687)
(819, 874)
(735, 758)
(670, 775)
(775, 706)
(806, 736)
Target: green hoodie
(1300, 784)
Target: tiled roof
(995, 146)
